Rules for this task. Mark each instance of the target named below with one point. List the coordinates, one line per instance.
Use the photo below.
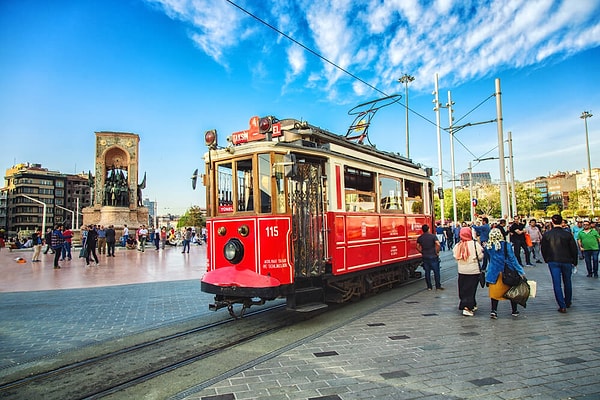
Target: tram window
(244, 185)
(279, 167)
(225, 188)
(391, 194)
(413, 197)
(360, 194)
(264, 182)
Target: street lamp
(406, 79)
(584, 116)
(43, 214)
(72, 215)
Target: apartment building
(32, 192)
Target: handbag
(481, 271)
(510, 276)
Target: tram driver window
(244, 185)
(359, 190)
(391, 195)
(413, 197)
(225, 188)
(264, 182)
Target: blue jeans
(430, 264)
(591, 262)
(562, 271)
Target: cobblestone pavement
(418, 348)
(422, 348)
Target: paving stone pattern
(423, 348)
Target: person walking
(560, 252)
(48, 239)
(111, 240)
(125, 236)
(163, 237)
(500, 253)
(91, 243)
(517, 238)
(483, 232)
(66, 250)
(429, 247)
(157, 233)
(101, 239)
(57, 242)
(575, 229)
(468, 253)
(187, 239)
(588, 239)
(36, 238)
(142, 237)
(535, 234)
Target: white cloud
(460, 40)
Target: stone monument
(116, 194)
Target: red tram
(297, 212)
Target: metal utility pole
(439, 144)
(450, 122)
(502, 168)
(471, 206)
(406, 79)
(512, 175)
(584, 116)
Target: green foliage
(192, 217)
(567, 213)
(552, 209)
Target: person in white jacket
(467, 253)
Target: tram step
(310, 307)
(304, 296)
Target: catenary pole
(502, 167)
(439, 145)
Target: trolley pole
(439, 145)
(513, 194)
(502, 167)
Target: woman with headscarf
(500, 253)
(467, 253)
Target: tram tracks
(170, 365)
(109, 373)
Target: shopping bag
(532, 287)
(519, 293)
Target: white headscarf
(496, 237)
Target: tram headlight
(233, 251)
(210, 138)
(265, 124)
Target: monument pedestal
(117, 216)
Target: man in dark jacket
(429, 246)
(560, 252)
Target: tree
(192, 217)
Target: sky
(168, 70)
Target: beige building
(29, 189)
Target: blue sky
(169, 70)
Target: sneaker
(439, 288)
(467, 313)
(539, 262)
(493, 315)
(562, 310)
(57, 267)
(428, 288)
(516, 314)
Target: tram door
(307, 219)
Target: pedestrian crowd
(486, 254)
(100, 240)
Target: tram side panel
(363, 241)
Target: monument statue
(116, 195)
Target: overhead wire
(325, 59)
